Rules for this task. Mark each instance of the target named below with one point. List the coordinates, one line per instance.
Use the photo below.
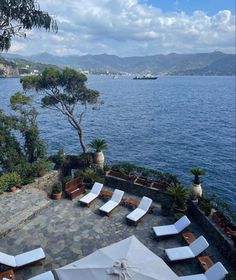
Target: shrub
(180, 194)
(57, 188)
(42, 165)
(8, 180)
(66, 180)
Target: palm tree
(196, 171)
(180, 195)
(99, 145)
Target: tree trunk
(81, 140)
(74, 122)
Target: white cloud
(127, 27)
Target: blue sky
(211, 7)
(134, 27)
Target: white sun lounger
(175, 228)
(113, 202)
(142, 209)
(43, 276)
(92, 195)
(187, 252)
(22, 259)
(216, 272)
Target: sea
(171, 124)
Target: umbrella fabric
(128, 259)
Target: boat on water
(145, 77)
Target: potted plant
(56, 191)
(10, 181)
(196, 191)
(107, 169)
(90, 176)
(42, 166)
(205, 206)
(180, 195)
(99, 145)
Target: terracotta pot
(56, 196)
(13, 188)
(41, 173)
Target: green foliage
(221, 206)
(26, 171)
(20, 153)
(205, 206)
(18, 99)
(231, 276)
(162, 177)
(66, 180)
(98, 144)
(196, 171)
(66, 92)
(59, 158)
(57, 188)
(178, 216)
(180, 194)
(78, 173)
(42, 165)
(18, 16)
(90, 175)
(8, 180)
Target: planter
(179, 210)
(160, 186)
(41, 173)
(56, 196)
(13, 188)
(196, 191)
(99, 159)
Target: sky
(133, 27)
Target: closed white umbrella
(128, 259)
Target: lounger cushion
(44, 276)
(145, 203)
(109, 206)
(179, 253)
(88, 198)
(198, 245)
(29, 257)
(165, 230)
(7, 260)
(117, 195)
(193, 277)
(97, 187)
(136, 215)
(216, 272)
(182, 223)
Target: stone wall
(223, 243)
(46, 182)
(136, 189)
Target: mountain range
(214, 63)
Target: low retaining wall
(224, 244)
(46, 182)
(136, 189)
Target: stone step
(18, 219)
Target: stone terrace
(67, 232)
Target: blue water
(173, 124)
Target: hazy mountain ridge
(215, 63)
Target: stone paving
(67, 232)
(18, 207)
